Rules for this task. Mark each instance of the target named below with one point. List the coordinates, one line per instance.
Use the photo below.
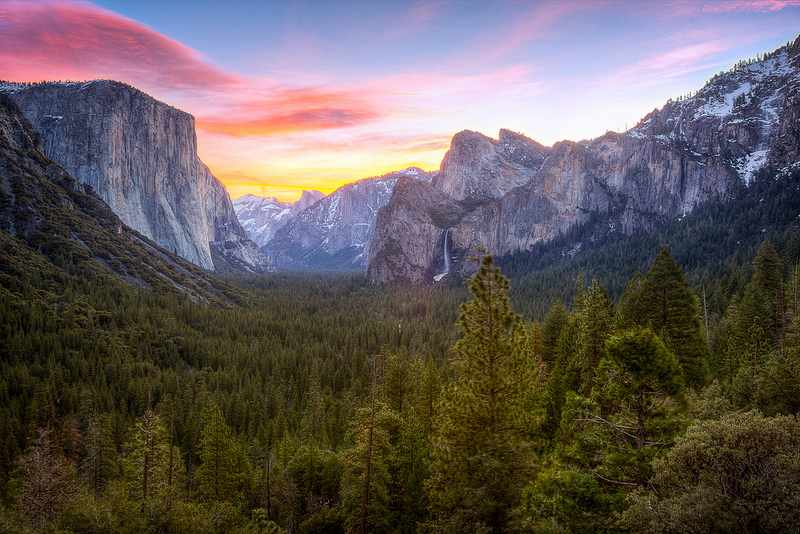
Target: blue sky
(292, 95)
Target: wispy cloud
(530, 25)
(761, 6)
(418, 17)
(668, 65)
(75, 40)
(290, 110)
(288, 122)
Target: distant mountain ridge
(261, 217)
(140, 156)
(334, 234)
(506, 195)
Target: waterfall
(446, 254)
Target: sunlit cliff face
(289, 97)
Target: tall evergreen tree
(761, 310)
(595, 317)
(481, 447)
(367, 478)
(99, 464)
(667, 305)
(224, 467)
(145, 461)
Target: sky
(311, 95)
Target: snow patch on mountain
(335, 232)
(261, 217)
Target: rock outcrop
(261, 217)
(509, 194)
(334, 234)
(140, 156)
(477, 168)
(54, 229)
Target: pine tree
(221, 474)
(761, 311)
(366, 480)
(146, 461)
(48, 481)
(668, 306)
(99, 464)
(481, 447)
(595, 317)
(636, 385)
(564, 376)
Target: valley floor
(328, 404)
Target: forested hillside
(328, 405)
(714, 243)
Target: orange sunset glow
(315, 98)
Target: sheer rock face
(335, 232)
(140, 156)
(510, 193)
(54, 226)
(410, 232)
(477, 168)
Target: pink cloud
(529, 26)
(668, 65)
(56, 39)
(289, 110)
(761, 6)
(288, 122)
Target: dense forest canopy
(655, 395)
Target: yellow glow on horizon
(289, 188)
(285, 178)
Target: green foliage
(150, 467)
(224, 469)
(566, 500)
(665, 303)
(259, 404)
(595, 320)
(367, 476)
(737, 474)
(314, 476)
(481, 447)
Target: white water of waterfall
(446, 252)
(446, 255)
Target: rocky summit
(500, 196)
(261, 216)
(335, 233)
(139, 155)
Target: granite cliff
(334, 233)
(139, 155)
(504, 195)
(55, 231)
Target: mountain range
(261, 217)
(506, 195)
(335, 233)
(499, 196)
